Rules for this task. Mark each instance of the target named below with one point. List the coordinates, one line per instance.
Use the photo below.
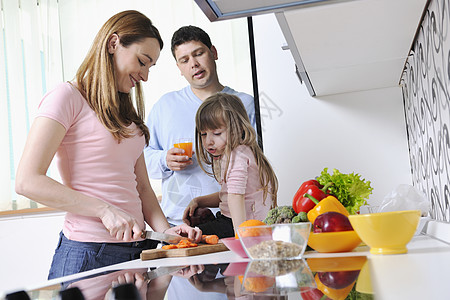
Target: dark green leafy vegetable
(350, 189)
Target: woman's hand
(190, 211)
(185, 230)
(190, 271)
(120, 224)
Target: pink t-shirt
(243, 179)
(92, 162)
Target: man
(173, 117)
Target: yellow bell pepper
(334, 294)
(327, 204)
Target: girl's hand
(194, 233)
(176, 161)
(120, 224)
(189, 211)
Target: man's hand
(176, 161)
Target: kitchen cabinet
(347, 46)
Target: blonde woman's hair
(225, 110)
(96, 79)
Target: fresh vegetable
(186, 244)
(301, 217)
(210, 239)
(338, 280)
(181, 244)
(332, 221)
(280, 214)
(329, 203)
(335, 294)
(351, 190)
(167, 247)
(310, 187)
(312, 294)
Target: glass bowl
(277, 241)
(277, 277)
(234, 245)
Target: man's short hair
(189, 33)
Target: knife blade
(164, 237)
(160, 271)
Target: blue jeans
(73, 257)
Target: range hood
(338, 46)
(217, 10)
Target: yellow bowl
(329, 242)
(364, 281)
(386, 232)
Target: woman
(98, 136)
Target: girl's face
(132, 63)
(215, 141)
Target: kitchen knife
(160, 271)
(168, 238)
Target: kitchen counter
(419, 274)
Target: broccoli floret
(301, 217)
(280, 214)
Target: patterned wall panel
(426, 95)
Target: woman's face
(132, 63)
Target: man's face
(197, 63)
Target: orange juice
(186, 146)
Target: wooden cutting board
(200, 249)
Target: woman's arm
(236, 205)
(151, 209)
(43, 140)
(153, 214)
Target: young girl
(226, 141)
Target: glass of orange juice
(186, 145)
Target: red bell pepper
(312, 294)
(305, 185)
(300, 203)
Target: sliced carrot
(181, 244)
(167, 247)
(210, 239)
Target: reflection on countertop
(313, 278)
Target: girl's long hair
(225, 110)
(96, 79)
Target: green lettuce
(350, 189)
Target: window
(44, 42)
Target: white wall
(361, 132)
